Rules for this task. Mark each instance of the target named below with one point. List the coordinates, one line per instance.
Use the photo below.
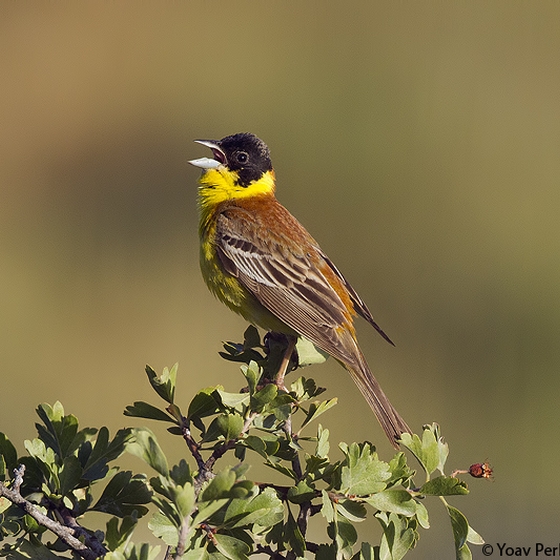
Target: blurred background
(418, 143)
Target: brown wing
(359, 304)
(294, 280)
(289, 279)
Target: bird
(262, 263)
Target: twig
(230, 444)
(90, 540)
(312, 547)
(268, 550)
(64, 533)
(303, 517)
(191, 443)
(18, 477)
(296, 465)
(182, 539)
(205, 467)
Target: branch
(66, 534)
(90, 540)
(205, 470)
(268, 550)
(182, 540)
(191, 443)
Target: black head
(246, 154)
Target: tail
(388, 417)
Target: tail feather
(390, 420)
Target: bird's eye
(242, 157)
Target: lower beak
(207, 163)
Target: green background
(418, 142)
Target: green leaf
(8, 452)
(351, 510)
(143, 444)
(230, 425)
(464, 553)
(315, 466)
(473, 537)
(59, 431)
(394, 501)
(237, 401)
(124, 495)
(400, 471)
(163, 528)
(33, 551)
(276, 464)
(346, 536)
(70, 474)
(431, 451)
(184, 499)
(315, 410)
(207, 509)
(104, 451)
(367, 552)
(196, 554)
(116, 536)
(263, 397)
(460, 527)
(398, 537)
(219, 486)
(327, 511)
(362, 472)
(264, 509)
(256, 444)
(181, 473)
(322, 447)
(444, 486)
(293, 536)
(252, 373)
(164, 386)
(134, 552)
(45, 463)
(305, 389)
(301, 492)
(232, 548)
(203, 404)
(422, 515)
(245, 352)
(251, 337)
(328, 552)
(308, 353)
(281, 407)
(141, 409)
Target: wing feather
(288, 281)
(359, 304)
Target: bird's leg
(283, 368)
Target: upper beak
(207, 163)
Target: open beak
(207, 163)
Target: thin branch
(230, 444)
(268, 550)
(303, 517)
(90, 540)
(182, 539)
(191, 443)
(205, 467)
(296, 466)
(312, 547)
(66, 534)
(18, 477)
